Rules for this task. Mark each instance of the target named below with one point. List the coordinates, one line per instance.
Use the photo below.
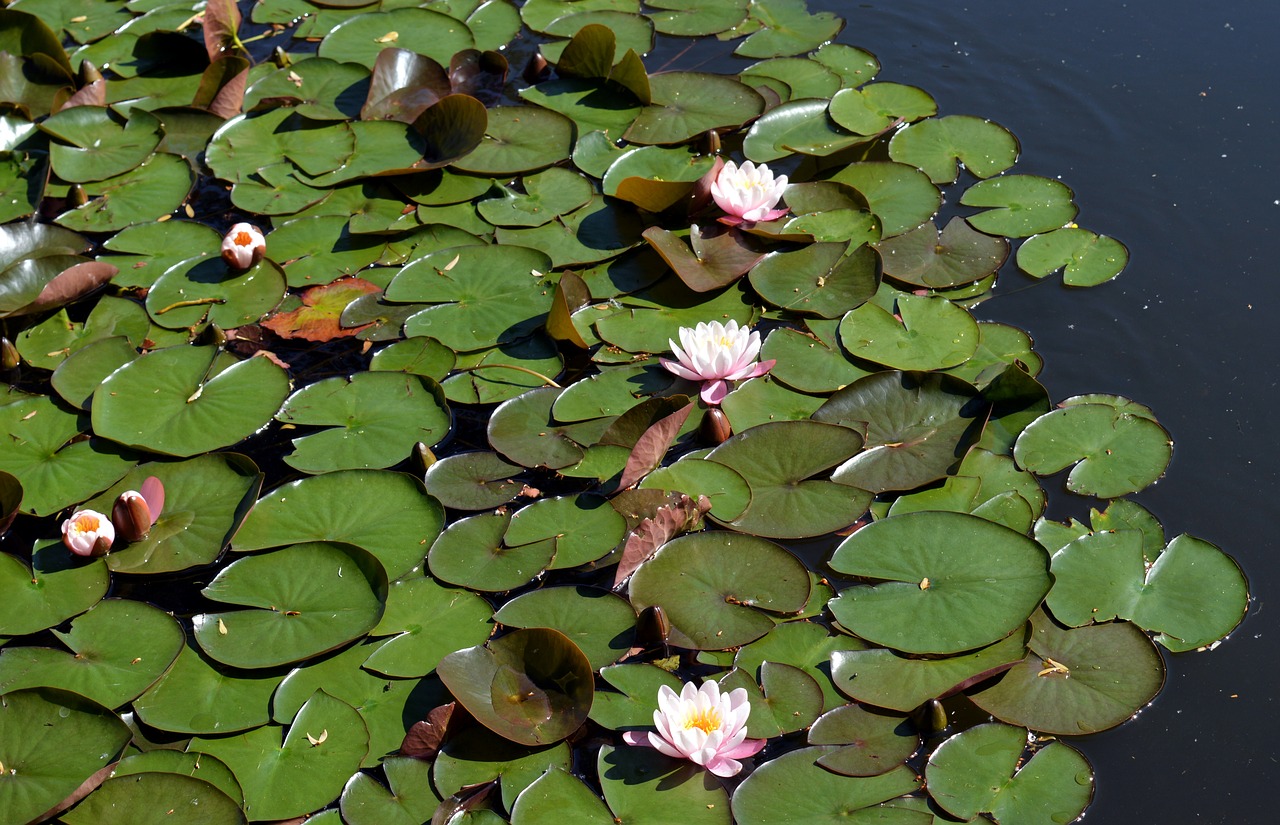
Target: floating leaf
(1087, 259)
(686, 104)
(939, 260)
(925, 333)
(788, 29)
(57, 586)
(470, 553)
(1021, 205)
(426, 622)
(795, 787)
(431, 33)
(935, 145)
(199, 695)
(873, 743)
(600, 623)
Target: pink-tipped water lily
(748, 193)
(243, 246)
(716, 354)
(703, 725)
(88, 533)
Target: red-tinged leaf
(653, 445)
(571, 295)
(86, 787)
(469, 798)
(719, 256)
(424, 738)
(700, 198)
(222, 86)
(221, 22)
(153, 493)
(404, 85)
(90, 94)
(318, 317)
(483, 75)
(452, 128)
(72, 283)
(668, 522)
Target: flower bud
(715, 427)
(9, 358)
(88, 533)
(131, 516)
(243, 246)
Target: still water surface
(1164, 117)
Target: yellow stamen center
(86, 524)
(706, 720)
(244, 239)
(725, 341)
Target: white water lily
(243, 246)
(748, 193)
(88, 533)
(703, 725)
(716, 354)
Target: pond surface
(1164, 118)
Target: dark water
(1164, 117)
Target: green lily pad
(389, 514)
(1087, 259)
(188, 409)
(97, 143)
(547, 195)
(826, 279)
(584, 528)
(53, 340)
(473, 481)
(501, 373)
(148, 249)
(198, 695)
(374, 420)
(31, 256)
(634, 705)
(593, 233)
(419, 356)
(1193, 594)
(205, 290)
(208, 768)
(890, 680)
(779, 461)
(938, 145)
(540, 14)
(57, 586)
(695, 18)
(917, 427)
(302, 600)
(798, 77)
(686, 104)
(470, 553)
(632, 32)
(324, 746)
(478, 755)
(980, 770)
(149, 799)
(410, 799)
(206, 498)
(56, 467)
(804, 645)
(950, 582)
(796, 788)
(519, 139)
(1115, 452)
(643, 787)
(925, 333)
(786, 700)
(718, 589)
(426, 623)
(78, 377)
(787, 28)
(558, 794)
(614, 391)
(431, 33)
(900, 195)
(939, 260)
(723, 486)
(485, 294)
(1021, 205)
(531, 686)
(873, 743)
(50, 742)
(877, 107)
(524, 431)
(154, 188)
(119, 648)
(763, 400)
(600, 623)
(811, 362)
(325, 89)
(1076, 681)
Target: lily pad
(935, 145)
(389, 514)
(902, 196)
(473, 480)
(643, 787)
(1076, 681)
(779, 461)
(547, 195)
(410, 799)
(950, 582)
(204, 290)
(695, 18)
(524, 431)
(470, 553)
(50, 742)
(426, 622)
(301, 601)
(1115, 452)
(924, 333)
(877, 107)
(149, 799)
(719, 589)
(1021, 205)
(1087, 259)
(796, 788)
(872, 743)
(188, 409)
(431, 33)
(96, 143)
(324, 746)
(686, 104)
(939, 260)
(57, 586)
(154, 188)
(198, 695)
(478, 755)
(558, 794)
(826, 279)
(600, 623)
(584, 528)
(374, 420)
(519, 139)
(787, 28)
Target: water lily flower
(88, 533)
(243, 246)
(716, 354)
(748, 193)
(703, 725)
(134, 512)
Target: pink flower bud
(243, 246)
(131, 516)
(88, 533)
